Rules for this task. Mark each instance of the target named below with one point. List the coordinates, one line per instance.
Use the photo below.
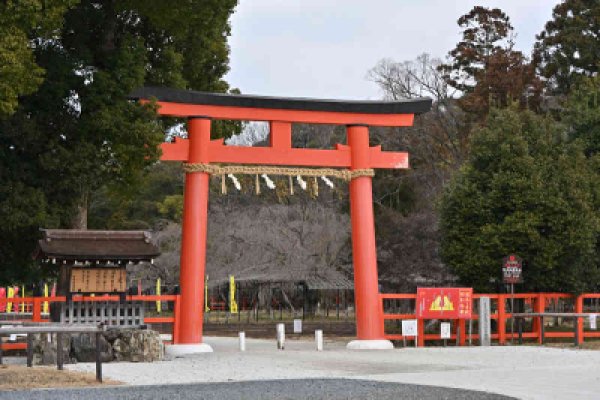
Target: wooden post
(59, 351)
(540, 307)
(501, 319)
(98, 358)
(364, 251)
(520, 328)
(576, 329)
(176, 319)
(579, 321)
(29, 350)
(193, 240)
(37, 311)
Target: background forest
(507, 160)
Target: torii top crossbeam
(281, 113)
(357, 155)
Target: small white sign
(409, 327)
(297, 326)
(593, 321)
(445, 330)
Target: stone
(135, 345)
(44, 349)
(83, 348)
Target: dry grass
(16, 377)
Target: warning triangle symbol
(438, 305)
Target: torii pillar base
(370, 345)
(179, 350)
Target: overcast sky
(324, 48)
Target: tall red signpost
(199, 150)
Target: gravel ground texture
(331, 389)
(526, 372)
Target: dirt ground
(14, 377)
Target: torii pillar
(200, 108)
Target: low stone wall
(135, 345)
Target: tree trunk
(80, 218)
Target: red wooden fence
(36, 315)
(538, 301)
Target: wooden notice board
(98, 280)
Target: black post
(337, 304)
(98, 358)
(542, 329)
(520, 328)
(59, 351)
(29, 350)
(512, 312)
(0, 350)
(575, 323)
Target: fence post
(540, 307)
(579, 321)
(29, 350)
(462, 327)
(501, 325)
(484, 321)
(381, 304)
(176, 318)
(420, 332)
(37, 310)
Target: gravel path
(525, 372)
(300, 389)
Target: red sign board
(444, 303)
(512, 269)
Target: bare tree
(410, 79)
(438, 141)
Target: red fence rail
(36, 305)
(537, 301)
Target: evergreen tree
(79, 132)
(569, 47)
(526, 190)
(582, 113)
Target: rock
(138, 346)
(44, 349)
(134, 345)
(83, 348)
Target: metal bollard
(242, 341)
(319, 339)
(280, 336)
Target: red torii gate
(200, 108)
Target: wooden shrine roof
(93, 245)
(409, 106)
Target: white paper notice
(297, 326)
(409, 327)
(593, 321)
(445, 330)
